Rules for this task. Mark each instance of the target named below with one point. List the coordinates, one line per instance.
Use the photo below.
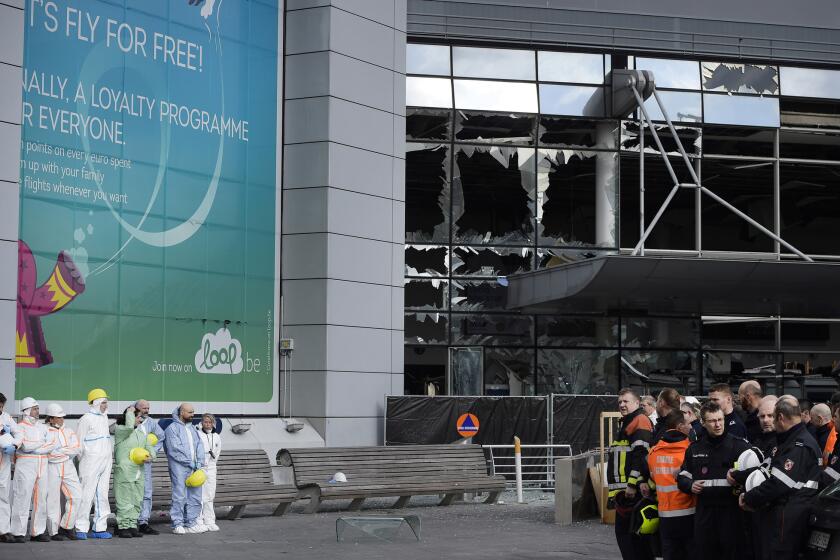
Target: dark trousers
(632, 547)
(677, 537)
(761, 534)
(718, 532)
(789, 523)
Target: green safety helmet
(645, 519)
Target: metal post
(642, 184)
(517, 461)
(777, 194)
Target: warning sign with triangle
(467, 425)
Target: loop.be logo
(219, 353)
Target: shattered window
(740, 78)
(737, 333)
(720, 367)
(577, 372)
(810, 207)
(428, 92)
(503, 128)
(480, 95)
(575, 101)
(682, 106)
(509, 371)
(677, 74)
(547, 258)
(576, 331)
(807, 335)
(810, 82)
(816, 364)
(650, 332)
(427, 124)
(689, 137)
(748, 186)
(809, 145)
(653, 371)
(491, 261)
(492, 198)
(426, 294)
(426, 260)
(426, 328)
(427, 59)
(741, 109)
(580, 68)
(738, 140)
(563, 132)
(505, 64)
(568, 185)
(427, 193)
(492, 329)
(478, 295)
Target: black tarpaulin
(576, 419)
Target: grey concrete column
(344, 211)
(605, 187)
(11, 62)
(563, 491)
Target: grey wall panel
(8, 309)
(352, 392)
(355, 430)
(11, 93)
(9, 215)
(11, 35)
(9, 154)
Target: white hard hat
(54, 409)
(692, 400)
(755, 479)
(750, 459)
(339, 477)
(26, 403)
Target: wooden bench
(243, 477)
(403, 471)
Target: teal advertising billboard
(149, 214)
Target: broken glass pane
(548, 258)
(491, 261)
(577, 372)
(810, 82)
(482, 95)
(738, 140)
(811, 336)
(426, 328)
(563, 132)
(735, 332)
(809, 145)
(425, 370)
(427, 59)
(734, 367)
(426, 260)
(656, 370)
(649, 332)
(431, 295)
(810, 207)
(748, 186)
(576, 331)
(690, 138)
(741, 109)
(575, 101)
(740, 78)
(678, 74)
(581, 68)
(492, 329)
(509, 372)
(494, 128)
(505, 64)
(815, 364)
(493, 192)
(478, 295)
(427, 124)
(682, 106)
(428, 92)
(569, 184)
(427, 193)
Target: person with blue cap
(154, 432)
(186, 456)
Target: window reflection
(809, 145)
(810, 82)
(578, 101)
(492, 329)
(583, 68)
(678, 74)
(428, 92)
(509, 371)
(657, 333)
(740, 109)
(740, 78)
(810, 207)
(681, 106)
(655, 370)
(738, 140)
(496, 96)
(478, 295)
(576, 331)
(472, 62)
(427, 59)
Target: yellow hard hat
(152, 439)
(138, 455)
(97, 394)
(197, 478)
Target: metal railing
(537, 463)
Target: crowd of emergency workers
(725, 480)
(55, 481)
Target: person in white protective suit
(212, 448)
(63, 478)
(95, 467)
(10, 440)
(29, 486)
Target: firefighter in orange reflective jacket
(676, 509)
(627, 472)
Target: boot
(135, 533)
(147, 529)
(43, 537)
(58, 537)
(69, 533)
(124, 533)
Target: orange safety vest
(829, 444)
(665, 460)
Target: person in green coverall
(129, 479)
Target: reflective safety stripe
(617, 486)
(790, 483)
(616, 449)
(687, 475)
(666, 470)
(715, 482)
(640, 443)
(635, 474)
(662, 489)
(677, 512)
(832, 473)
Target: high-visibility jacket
(829, 444)
(627, 464)
(665, 461)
